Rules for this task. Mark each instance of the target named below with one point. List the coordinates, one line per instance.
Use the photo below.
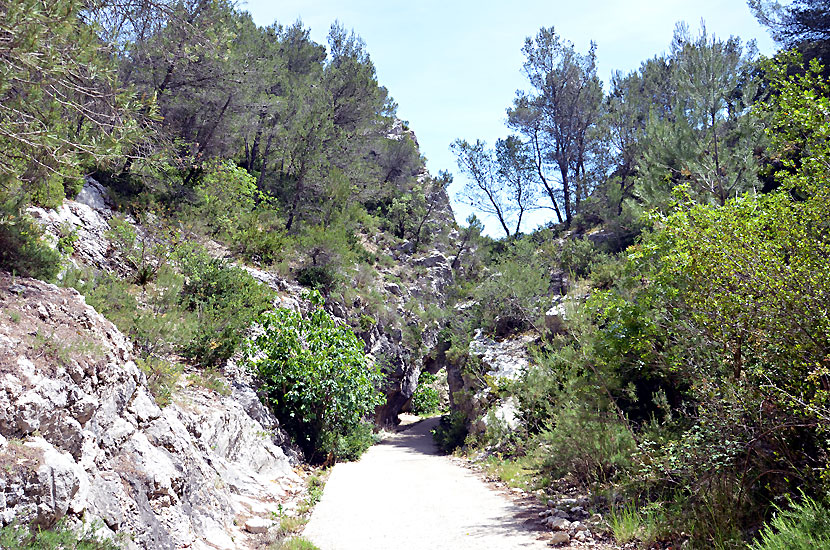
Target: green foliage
(259, 239)
(708, 140)
(145, 254)
(626, 523)
(591, 446)
(225, 301)
(578, 256)
(67, 237)
(425, 400)
(59, 537)
(225, 192)
(451, 432)
(196, 305)
(803, 525)
(23, 250)
(62, 105)
(316, 378)
(162, 377)
(352, 445)
(512, 299)
(317, 277)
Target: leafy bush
(316, 379)
(426, 400)
(23, 250)
(352, 445)
(225, 192)
(225, 300)
(258, 240)
(157, 324)
(143, 254)
(512, 298)
(577, 256)
(317, 277)
(590, 446)
(803, 526)
(451, 432)
(201, 311)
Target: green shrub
(512, 299)
(630, 523)
(451, 432)
(203, 311)
(591, 446)
(146, 253)
(259, 241)
(803, 525)
(577, 256)
(317, 277)
(316, 379)
(59, 537)
(225, 193)
(352, 445)
(157, 324)
(162, 377)
(23, 250)
(425, 400)
(225, 300)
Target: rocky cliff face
(497, 361)
(81, 437)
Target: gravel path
(402, 495)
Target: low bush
(317, 277)
(352, 445)
(162, 377)
(23, 250)
(195, 305)
(512, 299)
(316, 378)
(451, 432)
(577, 256)
(590, 445)
(59, 537)
(225, 300)
(425, 400)
(802, 525)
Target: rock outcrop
(497, 361)
(82, 438)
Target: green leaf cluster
(316, 377)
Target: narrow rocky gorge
(82, 439)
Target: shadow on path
(416, 437)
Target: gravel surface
(402, 495)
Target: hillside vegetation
(677, 301)
(682, 378)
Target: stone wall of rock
(498, 360)
(81, 437)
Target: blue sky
(453, 66)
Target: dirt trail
(402, 495)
